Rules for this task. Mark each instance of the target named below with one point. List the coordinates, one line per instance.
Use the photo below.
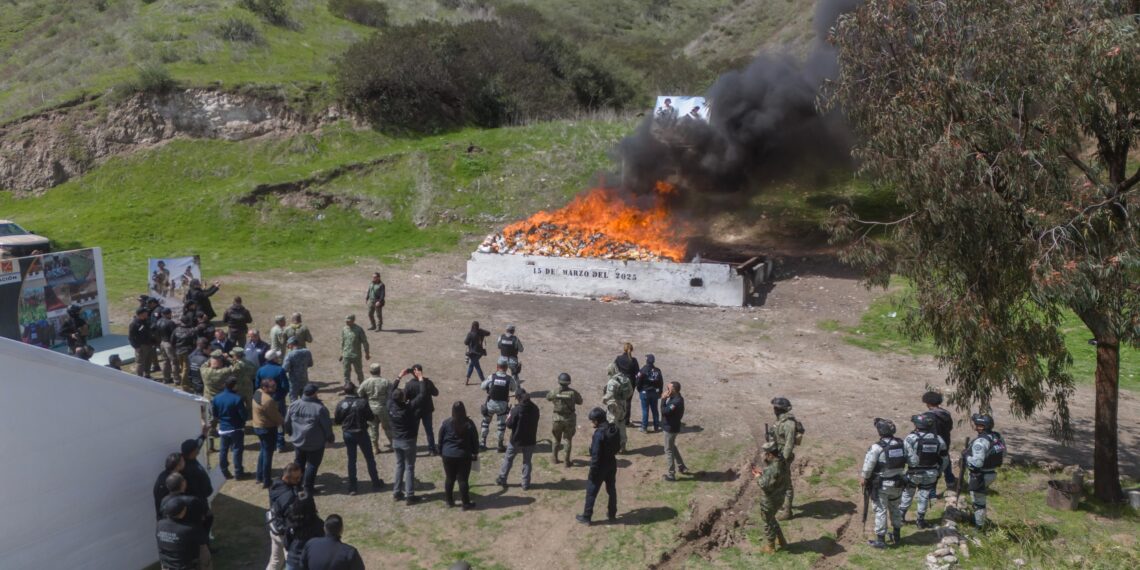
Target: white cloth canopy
(81, 446)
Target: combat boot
(769, 547)
(780, 538)
(897, 536)
(879, 541)
(785, 513)
(921, 522)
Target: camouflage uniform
(278, 335)
(375, 389)
(245, 372)
(784, 434)
(618, 390)
(565, 418)
(353, 343)
(775, 483)
(300, 333)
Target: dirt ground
(731, 362)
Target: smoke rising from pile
(764, 124)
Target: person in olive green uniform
(214, 373)
(774, 482)
(615, 397)
(245, 372)
(353, 342)
(375, 389)
(278, 334)
(784, 434)
(565, 400)
(299, 331)
(375, 300)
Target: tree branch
(1128, 183)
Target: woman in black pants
(459, 447)
(475, 350)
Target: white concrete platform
(707, 284)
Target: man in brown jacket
(266, 421)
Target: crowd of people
(265, 388)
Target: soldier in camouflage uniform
(299, 331)
(784, 435)
(774, 482)
(353, 342)
(245, 372)
(565, 416)
(376, 389)
(278, 335)
(618, 390)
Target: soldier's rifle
(767, 434)
(868, 485)
(962, 469)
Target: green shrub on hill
(239, 30)
(275, 12)
(431, 76)
(364, 12)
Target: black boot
(878, 542)
(898, 536)
(921, 522)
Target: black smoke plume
(764, 125)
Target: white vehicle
(15, 241)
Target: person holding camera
(420, 383)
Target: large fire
(600, 223)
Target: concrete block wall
(709, 284)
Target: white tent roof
(82, 445)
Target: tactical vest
(929, 452)
(508, 346)
(996, 454)
(894, 455)
(500, 389)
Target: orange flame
(601, 223)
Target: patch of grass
(879, 330)
(182, 198)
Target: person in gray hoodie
(309, 424)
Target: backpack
(996, 455)
(613, 441)
(799, 432)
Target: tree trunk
(1106, 467)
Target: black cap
(310, 389)
(597, 415)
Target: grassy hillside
(425, 194)
(56, 50)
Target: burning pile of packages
(553, 241)
(601, 223)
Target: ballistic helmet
(984, 420)
(597, 415)
(503, 361)
(564, 379)
(781, 403)
(511, 328)
(922, 421)
(886, 428)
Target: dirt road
(731, 362)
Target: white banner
(169, 279)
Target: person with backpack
(943, 425)
(883, 475)
(926, 456)
(293, 519)
(615, 397)
(983, 457)
(787, 433)
(603, 466)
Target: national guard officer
(883, 475)
(353, 342)
(773, 481)
(615, 396)
(375, 389)
(375, 298)
(926, 457)
(983, 457)
(565, 423)
(509, 347)
(784, 434)
(499, 387)
(278, 335)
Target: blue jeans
(473, 366)
(353, 441)
(309, 461)
(405, 478)
(280, 432)
(234, 440)
(268, 440)
(649, 402)
(428, 432)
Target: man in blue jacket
(230, 415)
(328, 552)
(603, 466)
(272, 369)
